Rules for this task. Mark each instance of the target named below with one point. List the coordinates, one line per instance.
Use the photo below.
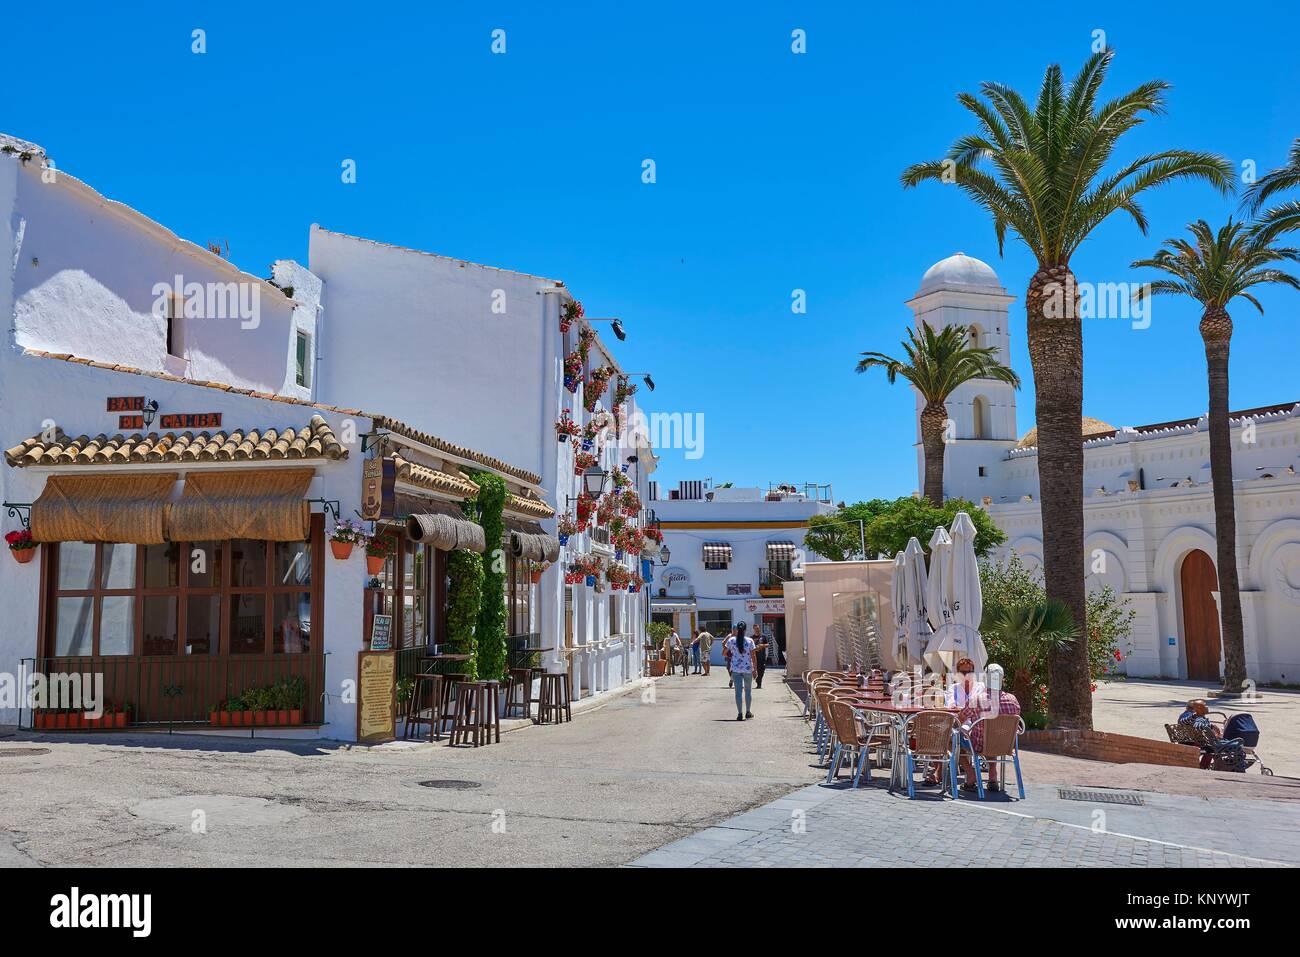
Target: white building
(1148, 508)
(731, 550)
(175, 435)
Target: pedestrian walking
(726, 652)
(704, 644)
(760, 656)
(742, 666)
(671, 650)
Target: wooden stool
(467, 726)
(520, 679)
(447, 698)
(554, 706)
(534, 674)
(426, 692)
(490, 710)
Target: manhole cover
(1098, 797)
(23, 752)
(451, 785)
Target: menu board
(381, 633)
(376, 696)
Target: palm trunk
(1216, 331)
(934, 418)
(1056, 353)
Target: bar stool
(426, 692)
(447, 698)
(490, 710)
(466, 727)
(554, 706)
(521, 680)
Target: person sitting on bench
(1196, 715)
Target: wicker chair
(809, 677)
(822, 728)
(928, 738)
(1001, 746)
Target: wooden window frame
(433, 588)
(50, 593)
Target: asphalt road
(619, 781)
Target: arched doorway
(1199, 581)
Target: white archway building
(1148, 507)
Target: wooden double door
(1202, 641)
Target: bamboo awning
(131, 509)
(536, 546)
(243, 503)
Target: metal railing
(769, 577)
(171, 689)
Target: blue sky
(775, 172)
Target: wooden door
(1199, 581)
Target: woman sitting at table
(986, 703)
(965, 686)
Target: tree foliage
(490, 636)
(889, 523)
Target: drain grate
(1099, 797)
(451, 785)
(22, 752)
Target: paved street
(614, 784)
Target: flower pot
(587, 445)
(341, 550)
(657, 668)
(374, 564)
(591, 581)
(23, 555)
(618, 554)
(537, 577)
(564, 540)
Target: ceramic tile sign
(381, 633)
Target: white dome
(960, 272)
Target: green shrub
(490, 635)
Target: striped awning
(717, 552)
(780, 551)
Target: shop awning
(780, 551)
(243, 503)
(443, 526)
(538, 547)
(717, 552)
(103, 508)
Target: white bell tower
(961, 291)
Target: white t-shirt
(741, 661)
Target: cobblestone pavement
(835, 826)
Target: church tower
(961, 291)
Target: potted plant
(536, 570)
(583, 461)
(378, 549)
(346, 534)
(573, 370)
(570, 314)
(566, 527)
(586, 508)
(21, 546)
(565, 427)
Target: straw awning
(538, 547)
(444, 527)
(717, 552)
(130, 509)
(244, 503)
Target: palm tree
(1046, 185)
(937, 363)
(1282, 218)
(1025, 633)
(1215, 269)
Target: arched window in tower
(976, 338)
(980, 418)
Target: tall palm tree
(1046, 185)
(1215, 269)
(1282, 218)
(936, 364)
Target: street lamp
(645, 377)
(593, 481)
(665, 555)
(619, 331)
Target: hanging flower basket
(571, 313)
(565, 427)
(21, 546)
(342, 550)
(346, 534)
(377, 550)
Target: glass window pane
(76, 566)
(419, 633)
(203, 565)
(247, 624)
(162, 565)
(202, 624)
(292, 623)
(119, 566)
(117, 625)
(292, 564)
(73, 625)
(160, 625)
(247, 563)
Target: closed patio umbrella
(915, 583)
(898, 600)
(967, 597)
(939, 588)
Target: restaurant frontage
(186, 578)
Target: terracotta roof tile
(316, 441)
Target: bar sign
(125, 422)
(126, 403)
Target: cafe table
(897, 715)
(440, 664)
